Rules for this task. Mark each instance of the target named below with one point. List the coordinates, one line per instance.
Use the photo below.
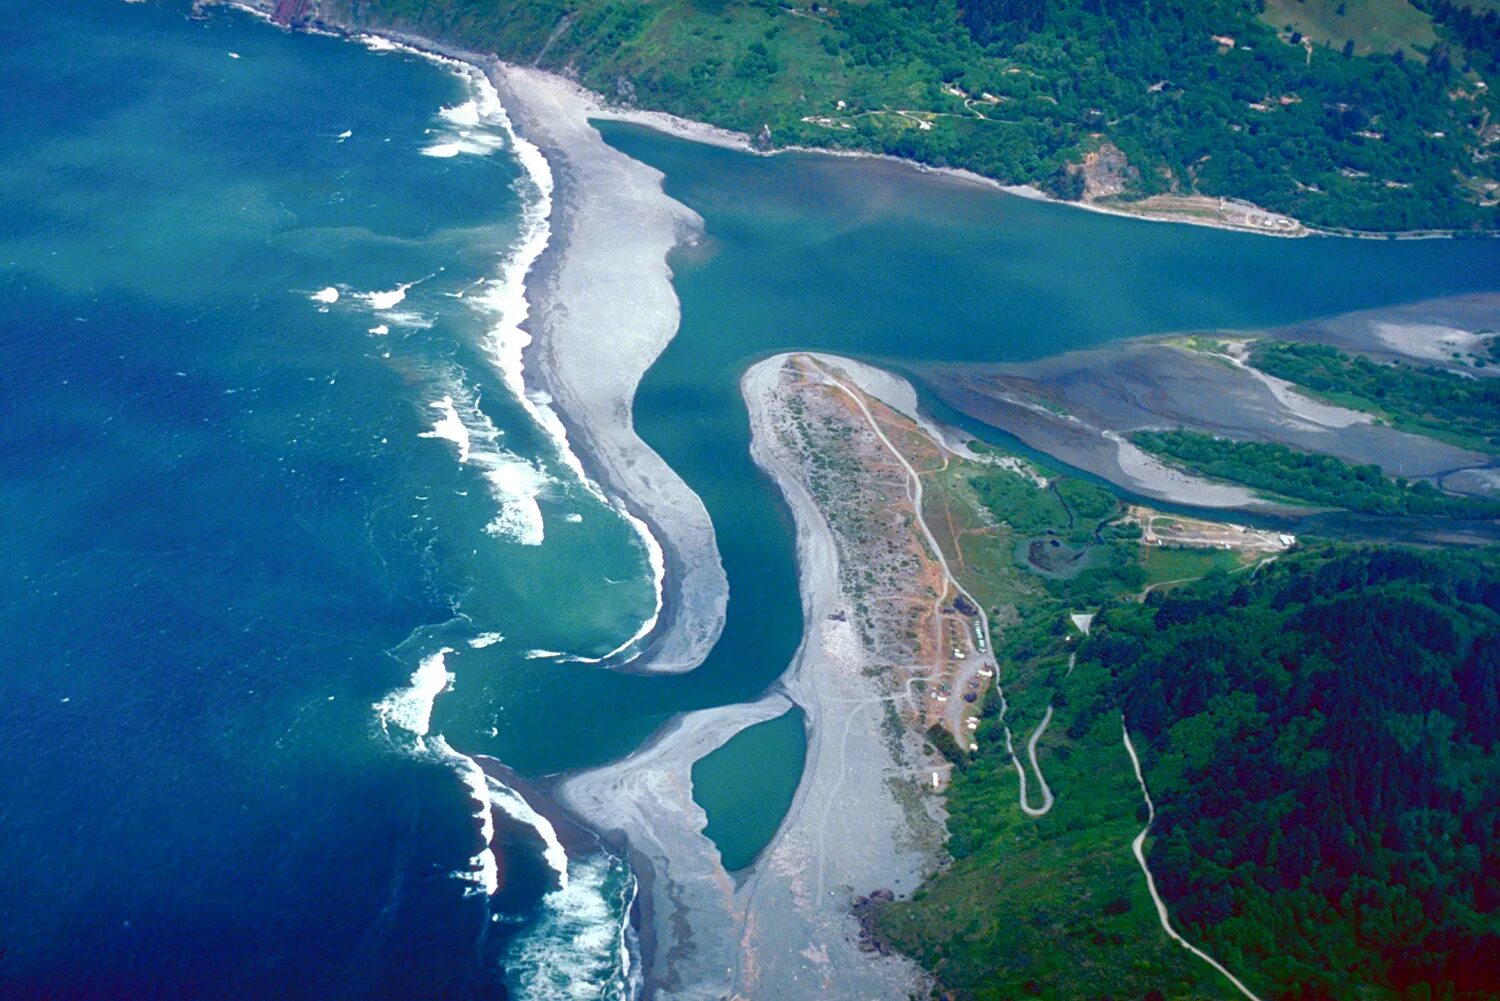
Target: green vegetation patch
(1053, 907)
(1306, 477)
(1384, 26)
(1168, 563)
(1065, 532)
(1428, 400)
(1320, 742)
(1020, 89)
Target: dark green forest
(1429, 399)
(1020, 89)
(1320, 743)
(1308, 477)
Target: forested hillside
(1320, 742)
(1319, 738)
(1200, 96)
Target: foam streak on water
(576, 950)
(410, 708)
(484, 868)
(514, 805)
(514, 483)
(506, 300)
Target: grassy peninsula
(1425, 399)
(1342, 125)
(1307, 477)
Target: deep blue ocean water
(237, 521)
(277, 561)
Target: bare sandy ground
(783, 928)
(1078, 407)
(604, 308)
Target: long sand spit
(783, 927)
(603, 309)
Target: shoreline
(583, 357)
(606, 204)
(604, 308)
(785, 924)
(702, 132)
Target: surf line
(507, 340)
(505, 298)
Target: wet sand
(783, 927)
(1080, 407)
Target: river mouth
(246, 456)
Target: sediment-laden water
(289, 543)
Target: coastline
(786, 925)
(599, 308)
(603, 309)
(702, 932)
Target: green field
(1166, 563)
(1375, 26)
(1022, 90)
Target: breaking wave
(514, 483)
(505, 299)
(579, 947)
(514, 805)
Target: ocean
(289, 544)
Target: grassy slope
(1374, 25)
(1053, 907)
(745, 64)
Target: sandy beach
(784, 927)
(603, 310)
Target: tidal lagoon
(288, 552)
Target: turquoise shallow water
(746, 785)
(876, 260)
(238, 522)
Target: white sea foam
(472, 144)
(410, 708)
(407, 318)
(388, 299)
(505, 298)
(539, 654)
(484, 868)
(328, 296)
(514, 805)
(380, 330)
(575, 951)
(450, 427)
(515, 483)
(468, 131)
(463, 114)
(485, 639)
(377, 44)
